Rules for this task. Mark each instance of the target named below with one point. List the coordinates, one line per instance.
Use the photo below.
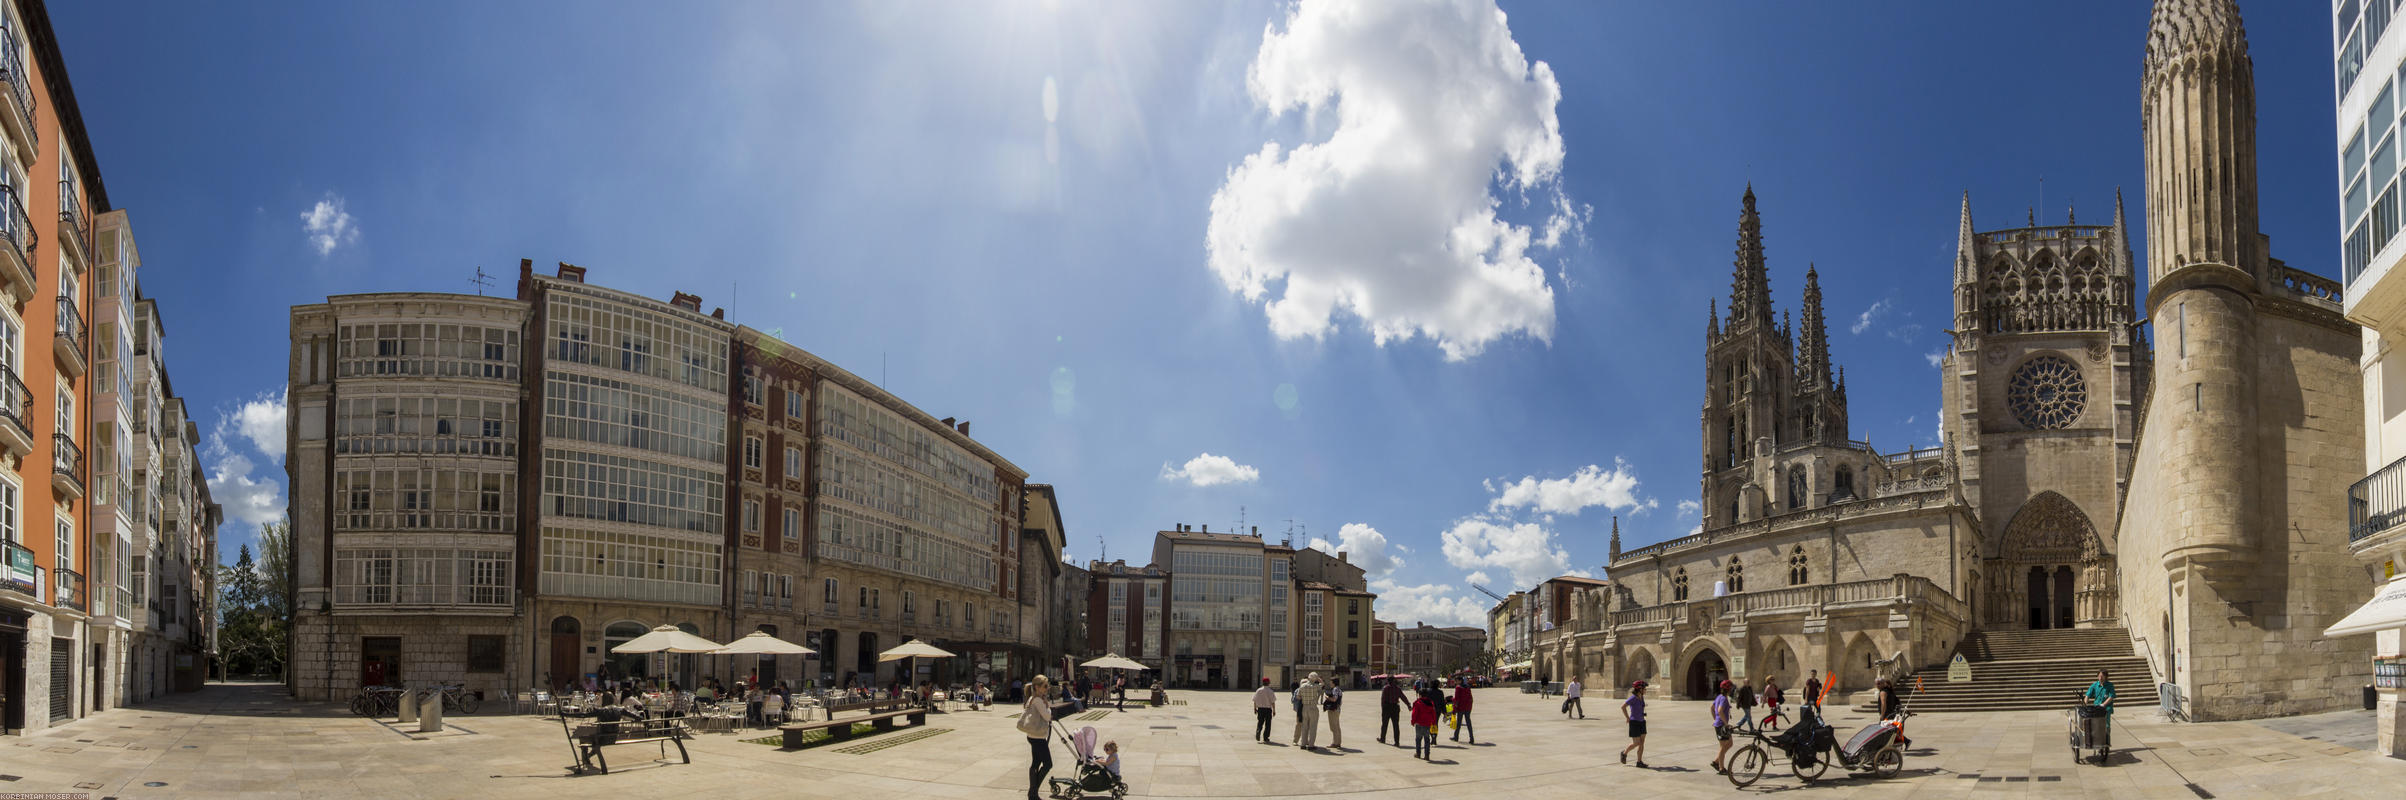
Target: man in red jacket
(1462, 712)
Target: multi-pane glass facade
(2369, 212)
(1215, 589)
(897, 496)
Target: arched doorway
(2052, 571)
(1705, 672)
(567, 651)
(624, 665)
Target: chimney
(1257, 530)
(718, 313)
(689, 302)
(526, 276)
(964, 427)
(572, 272)
(1207, 527)
(1341, 556)
(950, 424)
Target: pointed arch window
(1845, 488)
(1679, 585)
(1798, 573)
(1736, 577)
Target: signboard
(21, 570)
(1737, 664)
(1959, 670)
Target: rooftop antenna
(482, 281)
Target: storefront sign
(21, 572)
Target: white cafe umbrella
(760, 643)
(914, 649)
(1114, 661)
(667, 639)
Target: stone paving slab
(237, 740)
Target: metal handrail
(15, 399)
(70, 323)
(68, 589)
(66, 458)
(20, 85)
(2377, 502)
(71, 214)
(15, 226)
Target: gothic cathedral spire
(1814, 351)
(2197, 116)
(1750, 286)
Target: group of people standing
(1316, 697)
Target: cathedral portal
(2052, 572)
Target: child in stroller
(1097, 774)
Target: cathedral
(2181, 500)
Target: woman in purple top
(1634, 709)
(1721, 725)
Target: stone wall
(327, 649)
(1788, 646)
(1919, 536)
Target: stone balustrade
(1894, 590)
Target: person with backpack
(1746, 704)
(1771, 700)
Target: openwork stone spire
(2181, 26)
(1750, 286)
(1815, 349)
(1965, 270)
(2198, 125)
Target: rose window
(2047, 393)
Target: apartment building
(1384, 647)
(1433, 650)
(72, 602)
(1128, 611)
(1242, 609)
(2371, 62)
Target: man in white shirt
(1265, 706)
(1570, 698)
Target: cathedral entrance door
(2052, 571)
(1705, 673)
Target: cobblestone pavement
(246, 740)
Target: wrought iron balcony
(16, 258)
(66, 466)
(68, 345)
(68, 589)
(15, 402)
(18, 573)
(74, 227)
(2378, 502)
(19, 114)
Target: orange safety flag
(1917, 684)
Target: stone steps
(2031, 670)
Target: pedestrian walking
(1036, 723)
(1813, 690)
(1746, 703)
(1634, 710)
(1570, 698)
(1720, 713)
(1771, 700)
(1119, 692)
(1330, 705)
(1390, 709)
(1462, 713)
(1424, 726)
(1265, 706)
(1307, 705)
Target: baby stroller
(1092, 777)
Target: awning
(2387, 610)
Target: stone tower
(2041, 394)
(2233, 533)
(1765, 392)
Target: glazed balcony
(68, 345)
(68, 589)
(18, 115)
(74, 226)
(16, 252)
(66, 466)
(15, 400)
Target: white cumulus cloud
(328, 226)
(1210, 470)
(1365, 547)
(1527, 551)
(1393, 217)
(259, 422)
(1434, 603)
(1589, 487)
(1688, 507)
(1935, 357)
(1871, 315)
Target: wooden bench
(842, 728)
(587, 740)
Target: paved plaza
(246, 740)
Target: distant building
(1128, 611)
(1434, 650)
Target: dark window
(484, 653)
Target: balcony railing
(18, 573)
(71, 217)
(15, 226)
(2378, 502)
(20, 83)
(66, 465)
(69, 590)
(70, 324)
(15, 400)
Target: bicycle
(456, 697)
(377, 701)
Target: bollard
(408, 703)
(430, 717)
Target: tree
(255, 608)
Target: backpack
(1746, 697)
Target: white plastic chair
(772, 709)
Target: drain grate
(11, 777)
(1165, 727)
(88, 785)
(2049, 778)
(884, 742)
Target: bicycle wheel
(361, 705)
(1746, 765)
(1888, 762)
(469, 702)
(1821, 764)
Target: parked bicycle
(456, 697)
(377, 701)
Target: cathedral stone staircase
(2033, 670)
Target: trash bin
(1528, 687)
(2372, 698)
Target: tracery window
(2047, 393)
(1737, 576)
(1798, 573)
(1679, 585)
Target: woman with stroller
(1036, 723)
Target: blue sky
(889, 185)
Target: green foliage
(255, 607)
